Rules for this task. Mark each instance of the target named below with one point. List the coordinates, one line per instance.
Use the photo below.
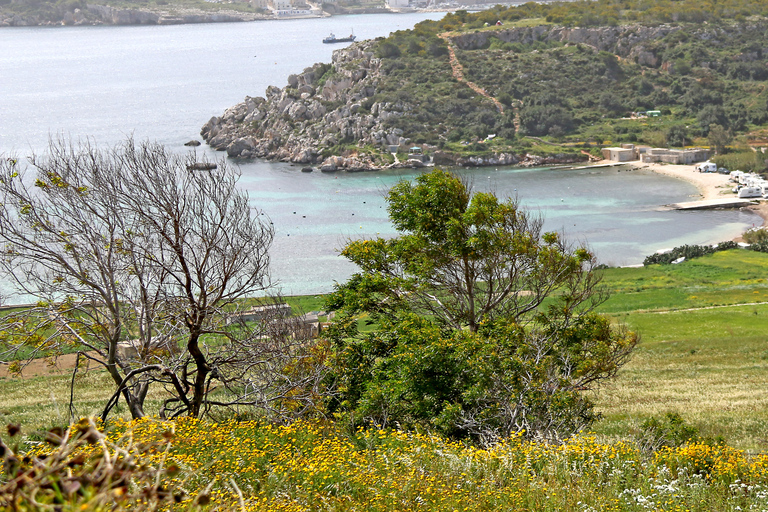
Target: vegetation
(687, 252)
(72, 11)
(698, 374)
(704, 79)
(756, 235)
(466, 345)
(745, 160)
(242, 465)
(136, 261)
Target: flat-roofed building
(619, 154)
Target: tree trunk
(203, 370)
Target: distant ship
(333, 39)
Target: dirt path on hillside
(458, 74)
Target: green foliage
(677, 136)
(506, 378)
(748, 161)
(462, 258)
(688, 252)
(756, 235)
(673, 431)
(574, 91)
(485, 327)
(545, 120)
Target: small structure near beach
(675, 156)
(619, 154)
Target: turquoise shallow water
(616, 211)
(164, 83)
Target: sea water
(164, 82)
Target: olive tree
(486, 324)
(138, 262)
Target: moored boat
(333, 39)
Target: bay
(163, 83)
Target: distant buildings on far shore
(629, 152)
(305, 8)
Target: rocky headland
(377, 100)
(318, 109)
(326, 105)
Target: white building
(619, 154)
(280, 5)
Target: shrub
(687, 251)
(672, 431)
(756, 235)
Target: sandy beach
(710, 185)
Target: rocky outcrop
(527, 160)
(329, 106)
(322, 107)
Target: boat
(333, 39)
(201, 166)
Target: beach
(710, 185)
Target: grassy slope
(709, 365)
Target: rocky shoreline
(328, 104)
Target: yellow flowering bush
(236, 465)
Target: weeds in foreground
(81, 468)
(320, 466)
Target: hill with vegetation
(15, 13)
(537, 79)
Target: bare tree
(138, 260)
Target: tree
(485, 321)
(545, 120)
(677, 136)
(136, 261)
(711, 115)
(719, 138)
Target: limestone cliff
(319, 108)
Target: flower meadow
(246, 465)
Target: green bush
(687, 251)
(471, 357)
(672, 431)
(748, 161)
(756, 235)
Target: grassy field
(703, 356)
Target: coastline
(710, 185)
(104, 15)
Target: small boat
(201, 166)
(333, 39)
